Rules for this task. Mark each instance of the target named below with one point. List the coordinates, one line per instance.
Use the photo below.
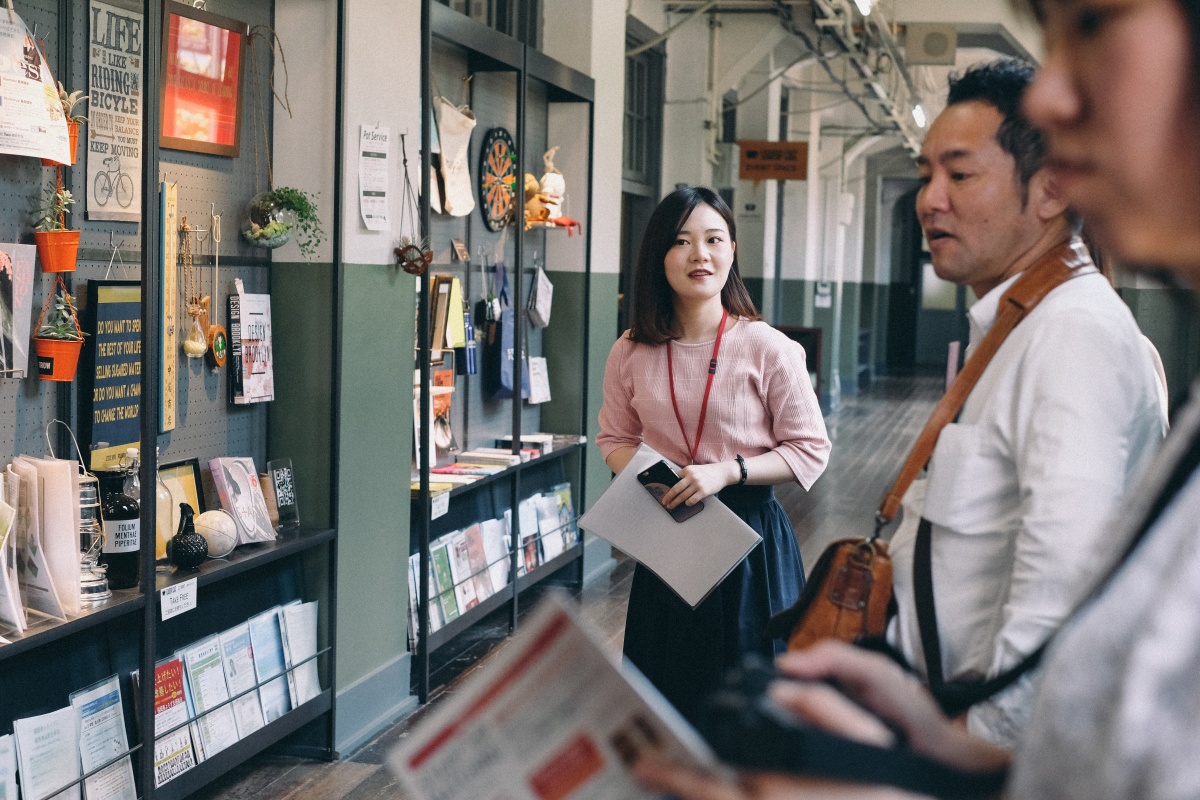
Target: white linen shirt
(1019, 488)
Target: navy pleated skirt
(684, 652)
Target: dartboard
(497, 178)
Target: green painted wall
(375, 452)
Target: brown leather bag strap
(1058, 266)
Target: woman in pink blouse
(703, 380)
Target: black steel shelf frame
(490, 51)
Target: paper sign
(539, 380)
(373, 177)
(177, 599)
(439, 505)
(824, 296)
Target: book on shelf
(251, 363)
(299, 626)
(526, 454)
(566, 513)
(462, 468)
(439, 294)
(546, 442)
(529, 535)
(206, 678)
(448, 478)
(500, 457)
(478, 561)
(437, 604)
(240, 491)
(266, 644)
(237, 656)
(414, 565)
(435, 487)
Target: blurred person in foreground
(1118, 706)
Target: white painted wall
(303, 153)
(380, 88)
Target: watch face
(497, 178)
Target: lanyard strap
(712, 371)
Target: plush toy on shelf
(553, 185)
(536, 209)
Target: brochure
(48, 754)
(549, 716)
(173, 752)
(269, 664)
(8, 768)
(237, 656)
(206, 677)
(101, 721)
(300, 622)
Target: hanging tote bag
(499, 347)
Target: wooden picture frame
(182, 479)
(203, 58)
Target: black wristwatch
(742, 466)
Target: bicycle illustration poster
(114, 129)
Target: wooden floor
(871, 434)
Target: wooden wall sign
(772, 161)
(110, 380)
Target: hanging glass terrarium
(265, 222)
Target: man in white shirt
(1019, 488)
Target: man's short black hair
(1001, 84)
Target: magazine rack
(535, 97)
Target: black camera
(748, 730)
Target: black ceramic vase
(188, 549)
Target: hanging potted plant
(270, 217)
(58, 247)
(69, 102)
(58, 337)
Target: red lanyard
(712, 371)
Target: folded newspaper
(550, 716)
(691, 557)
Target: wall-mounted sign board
(772, 161)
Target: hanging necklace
(712, 371)
(194, 345)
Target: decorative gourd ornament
(188, 549)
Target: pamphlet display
(31, 117)
(48, 751)
(269, 664)
(173, 747)
(206, 680)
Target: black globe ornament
(188, 549)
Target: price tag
(175, 600)
(439, 505)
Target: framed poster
(114, 127)
(202, 59)
(110, 375)
(182, 479)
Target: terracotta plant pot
(57, 358)
(73, 136)
(57, 250)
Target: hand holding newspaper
(550, 716)
(691, 557)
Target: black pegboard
(208, 426)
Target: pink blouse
(761, 400)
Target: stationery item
(173, 748)
(48, 754)
(691, 557)
(539, 380)
(269, 664)
(241, 495)
(101, 721)
(206, 678)
(237, 658)
(299, 620)
(550, 716)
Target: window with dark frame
(643, 117)
(520, 19)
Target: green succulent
(69, 101)
(59, 322)
(51, 211)
(310, 234)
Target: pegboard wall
(208, 425)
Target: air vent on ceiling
(930, 43)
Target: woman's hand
(701, 480)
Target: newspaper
(550, 716)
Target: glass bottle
(122, 535)
(162, 518)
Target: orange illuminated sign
(772, 161)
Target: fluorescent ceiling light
(918, 113)
(864, 6)
(877, 88)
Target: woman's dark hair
(653, 317)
